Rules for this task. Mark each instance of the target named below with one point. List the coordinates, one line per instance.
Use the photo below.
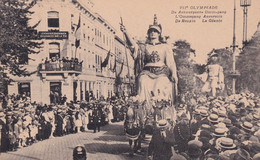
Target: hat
(162, 124)
(254, 139)
(219, 132)
(211, 98)
(194, 151)
(197, 111)
(206, 134)
(178, 157)
(227, 122)
(203, 108)
(203, 113)
(241, 154)
(214, 110)
(103, 102)
(226, 143)
(2, 114)
(79, 152)
(54, 107)
(221, 125)
(130, 100)
(195, 142)
(155, 26)
(247, 126)
(256, 117)
(9, 113)
(222, 113)
(213, 118)
(181, 107)
(205, 127)
(256, 156)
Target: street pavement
(108, 144)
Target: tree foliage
(18, 38)
(186, 83)
(249, 66)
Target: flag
(114, 68)
(64, 51)
(121, 69)
(104, 64)
(78, 34)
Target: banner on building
(104, 64)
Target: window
(53, 19)
(54, 50)
(55, 92)
(24, 89)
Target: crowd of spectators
(23, 122)
(222, 128)
(211, 128)
(64, 63)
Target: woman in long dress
(157, 78)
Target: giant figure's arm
(170, 62)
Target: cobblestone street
(109, 143)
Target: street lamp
(234, 74)
(245, 4)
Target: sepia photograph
(129, 80)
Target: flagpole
(77, 36)
(76, 52)
(128, 74)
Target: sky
(138, 15)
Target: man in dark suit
(96, 118)
(59, 123)
(160, 147)
(4, 135)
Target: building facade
(79, 54)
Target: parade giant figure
(154, 66)
(215, 79)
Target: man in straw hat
(226, 146)
(241, 154)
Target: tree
(18, 38)
(249, 66)
(186, 83)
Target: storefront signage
(53, 35)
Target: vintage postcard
(129, 79)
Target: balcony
(60, 67)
